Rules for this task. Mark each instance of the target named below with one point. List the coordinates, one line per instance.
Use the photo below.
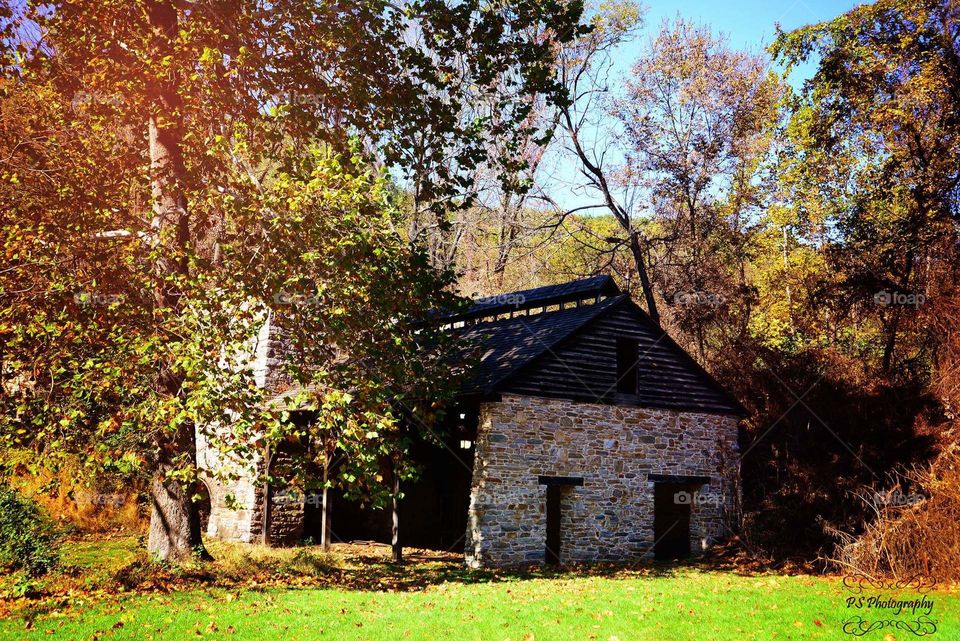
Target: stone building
(585, 433)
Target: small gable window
(628, 350)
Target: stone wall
(234, 495)
(613, 448)
(236, 498)
(286, 504)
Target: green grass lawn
(662, 603)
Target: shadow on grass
(356, 567)
(420, 569)
(365, 568)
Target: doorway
(552, 553)
(557, 487)
(671, 519)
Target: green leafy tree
(873, 153)
(174, 173)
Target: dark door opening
(556, 486)
(553, 525)
(671, 520)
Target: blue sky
(748, 24)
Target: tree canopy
(177, 172)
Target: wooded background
(169, 169)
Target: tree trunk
(897, 310)
(174, 517)
(267, 498)
(640, 262)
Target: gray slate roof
(569, 352)
(506, 345)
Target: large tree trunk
(174, 517)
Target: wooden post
(325, 509)
(265, 534)
(395, 533)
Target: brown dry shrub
(922, 538)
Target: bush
(27, 542)
(918, 538)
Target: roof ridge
(599, 279)
(594, 312)
(547, 295)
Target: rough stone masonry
(613, 448)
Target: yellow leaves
(209, 55)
